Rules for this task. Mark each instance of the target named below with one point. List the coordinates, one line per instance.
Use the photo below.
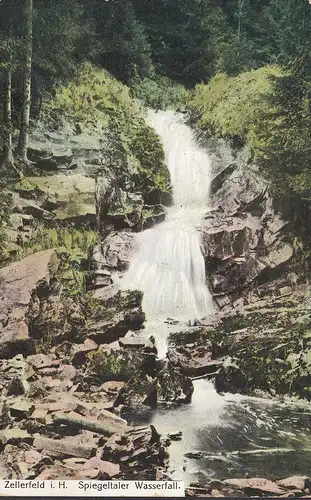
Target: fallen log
(64, 447)
(106, 427)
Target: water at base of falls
(169, 267)
(235, 436)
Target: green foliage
(73, 241)
(286, 156)
(152, 172)
(160, 93)
(123, 46)
(184, 36)
(58, 28)
(233, 107)
(72, 246)
(111, 365)
(280, 362)
(92, 95)
(96, 99)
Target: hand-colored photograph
(155, 248)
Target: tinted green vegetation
(234, 107)
(249, 59)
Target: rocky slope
(71, 344)
(65, 375)
(258, 337)
(67, 347)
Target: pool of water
(237, 436)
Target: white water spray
(169, 266)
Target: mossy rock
(132, 152)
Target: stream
(238, 436)
(235, 435)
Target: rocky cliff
(72, 343)
(257, 271)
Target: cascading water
(169, 266)
(233, 435)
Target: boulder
(155, 382)
(110, 364)
(62, 149)
(244, 239)
(295, 483)
(193, 361)
(136, 342)
(122, 210)
(141, 446)
(56, 318)
(19, 283)
(115, 316)
(173, 386)
(221, 177)
(114, 253)
(65, 197)
(158, 197)
(230, 378)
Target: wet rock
(193, 361)
(221, 177)
(126, 210)
(194, 322)
(142, 445)
(114, 253)
(137, 343)
(18, 282)
(194, 454)
(155, 382)
(230, 378)
(246, 242)
(173, 386)
(175, 436)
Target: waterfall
(169, 267)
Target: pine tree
(121, 43)
(9, 48)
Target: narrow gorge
(154, 311)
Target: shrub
(233, 107)
(96, 99)
(160, 93)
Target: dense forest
(157, 48)
(178, 54)
(155, 195)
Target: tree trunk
(241, 2)
(26, 92)
(7, 118)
